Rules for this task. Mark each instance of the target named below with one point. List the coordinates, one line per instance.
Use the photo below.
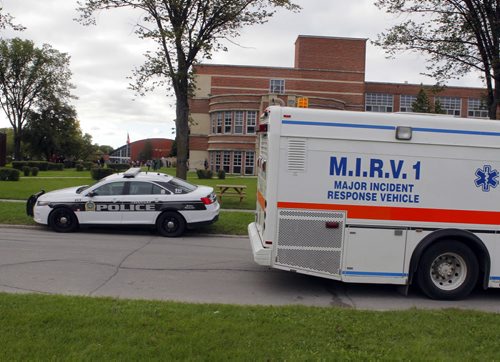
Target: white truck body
(341, 197)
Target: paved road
(140, 264)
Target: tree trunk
(182, 135)
(495, 105)
(17, 146)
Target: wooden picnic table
(232, 191)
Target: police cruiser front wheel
(448, 270)
(171, 224)
(63, 220)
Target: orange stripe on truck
(261, 200)
(404, 213)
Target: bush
(119, 166)
(34, 171)
(56, 166)
(19, 165)
(9, 174)
(68, 164)
(79, 167)
(26, 170)
(98, 173)
(88, 165)
(221, 174)
(202, 174)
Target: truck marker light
(287, 116)
(268, 242)
(403, 133)
(332, 225)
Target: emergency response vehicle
(130, 198)
(383, 198)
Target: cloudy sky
(103, 56)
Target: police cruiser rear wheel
(63, 220)
(171, 224)
(448, 270)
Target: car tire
(448, 270)
(171, 224)
(63, 220)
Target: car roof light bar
(132, 172)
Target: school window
(277, 86)
(251, 122)
(406, 103)
(238, 122)
(219, 123)
(379, 102)
(450, 105)
(249, 163)
(213, 122)
(226, 161)
(217, 163)
(237, 157)
(477, 108)
(228, 120)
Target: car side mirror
(92, 194)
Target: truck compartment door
(310, 242)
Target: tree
(10, 140)
(29, 78)
(457, 36)
(422, 104)
(185, 32)
(7, 21)
(54, 131)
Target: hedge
(41, 165)
(204, 174)
(98, 173)
(9, 174)
(119, 166)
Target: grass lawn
(41, 327)
(229, 223)
(53, 180)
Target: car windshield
(82, 188)
(178, 186)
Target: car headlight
(42, 203)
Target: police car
(133, 198)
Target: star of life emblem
(486, 178)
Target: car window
(145, 188)
(110, 189)
(178, 186)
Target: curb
(34, 227)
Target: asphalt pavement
(140, 264)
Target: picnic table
(232, 191)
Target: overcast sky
(103, 56)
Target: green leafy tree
(185, 32)
(30, 77)
(10, 140)
(422, 104)
(105, 149)
(438, 108)
(457, 36)
(54, 131)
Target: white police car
(133, 198)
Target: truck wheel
(448, 270)
(171, 224)
(63, 220)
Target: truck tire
(63, 220)
(171, 224)
(448, 270)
